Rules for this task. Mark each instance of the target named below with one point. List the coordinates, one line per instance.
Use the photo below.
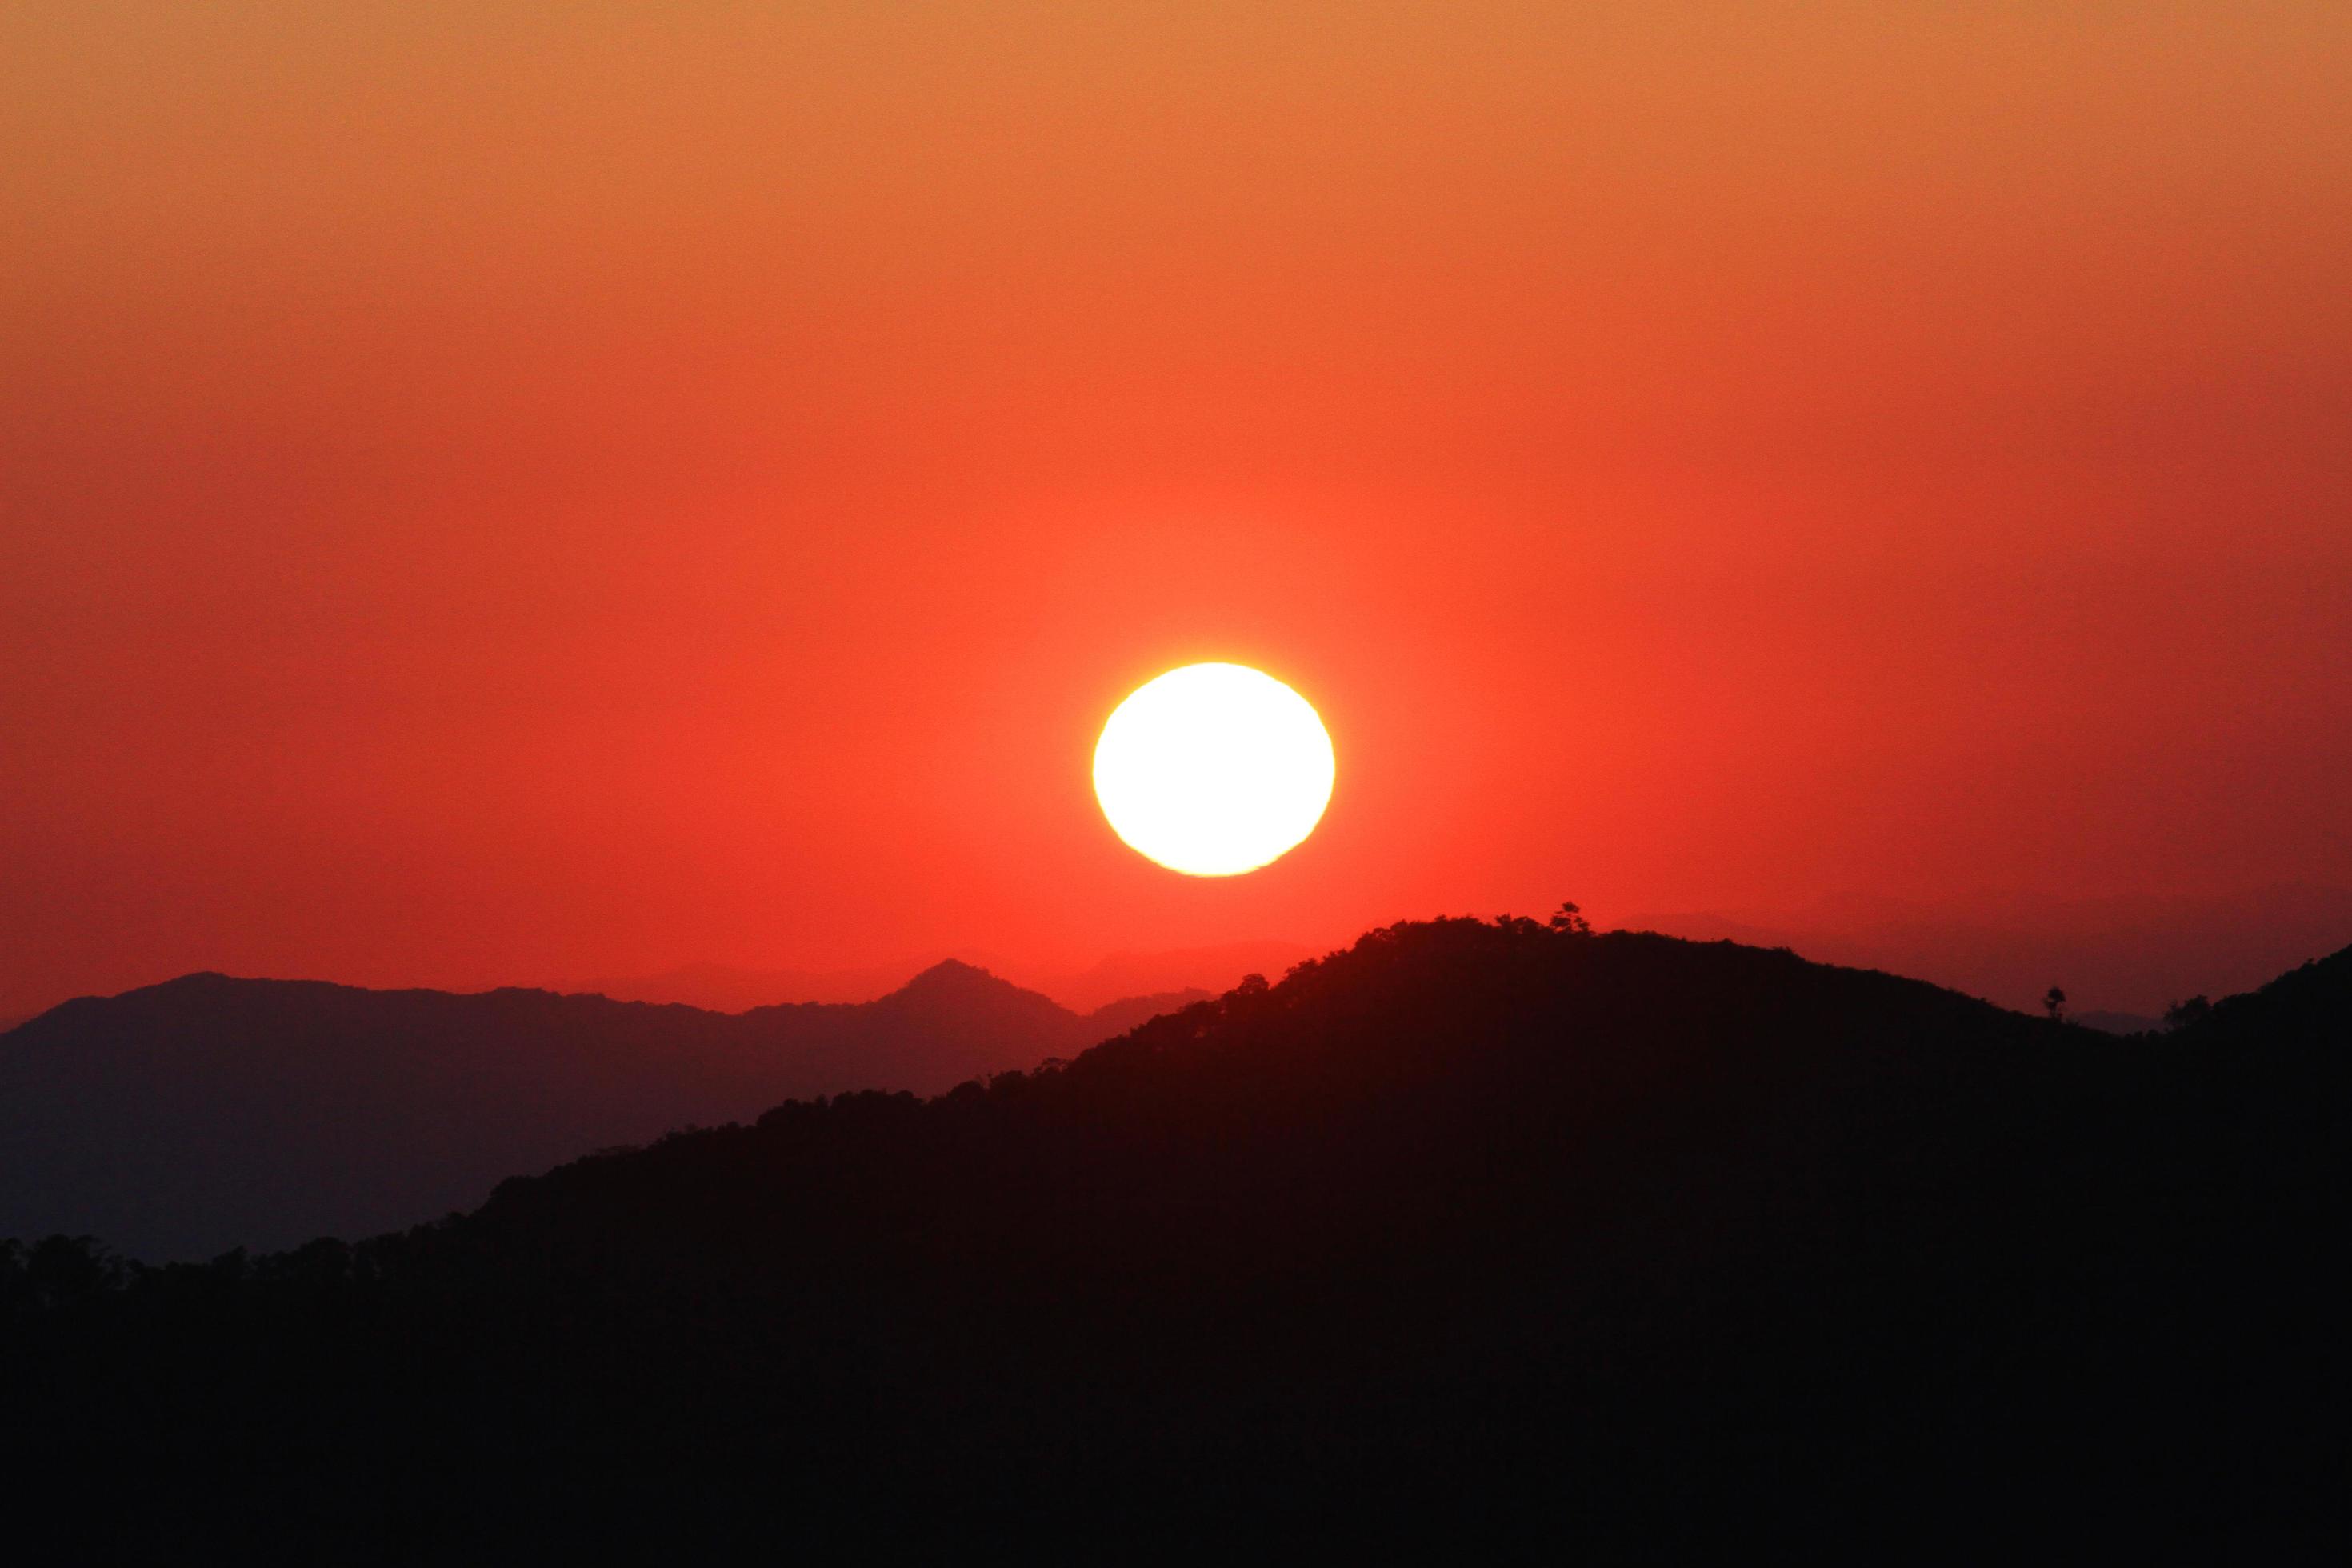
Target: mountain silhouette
(1472, 1235)
(731, 988)
(2125, 956)
(1218, 969)
(726, 988)
(209, 1113)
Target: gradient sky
(500, 493)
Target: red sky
(496, 493)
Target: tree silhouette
(2053, 1002)
(2182, 1014)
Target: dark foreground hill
(1476, 1235)
(183, 1120)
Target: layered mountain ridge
(181, 1119)
(1474, 1235)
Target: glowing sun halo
(1214, 770)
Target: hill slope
(1471, 1230)
(183, 1120)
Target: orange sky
(497, 494)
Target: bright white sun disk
(1214, 770)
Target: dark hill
(1474, 1235)
(183, 1120)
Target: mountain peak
(953, 972)
(954, 978)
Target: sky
(500, 493)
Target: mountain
(1118, 1017)
(209, 1113)
(1472, 1238)
(729, 988)
(1120, 977)
(2133, 956)
(1216, 969)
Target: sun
(1214, 770)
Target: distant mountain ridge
(209, 1112)
(1218, 969)
(1116, 978)
(738, 988)
(2129, 957)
